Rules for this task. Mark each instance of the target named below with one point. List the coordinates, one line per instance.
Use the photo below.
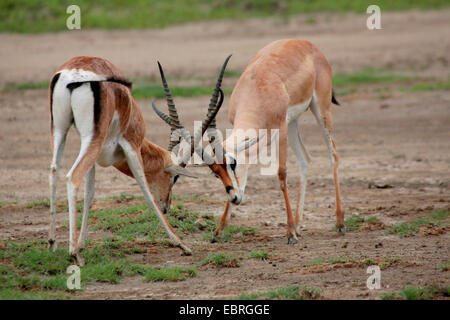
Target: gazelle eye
(175, 178)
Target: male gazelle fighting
(93, 94)
(283, 80)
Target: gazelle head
(223, 164)
(232, 173)
(162, 174)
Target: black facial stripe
(233, 165)
(175, 178)
(228, 188)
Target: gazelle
(285, 79)
(219, 169)
(93, 94)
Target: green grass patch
(286, 293)
(231, 232)
(258, 254)
(388, 296)
(418, 293)
(383, 263)
(407, 229)
(345, 91)
(222, 260)
(146, 91)
(365, 76)
(26, 86)
(16, 294)
(43, 16)
(445, 267)
(41, 203)
(154, 274)
(157, 91)
(354, 222)
(126, 196)
(7, 203)
(329, 260)
(443, 85)
(138, 221)
(30, 271)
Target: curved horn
(161, 114)
(213, 101)
(171, 119)
(175, 122)
(213, 109)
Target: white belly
(296, 110)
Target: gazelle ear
(177, 170)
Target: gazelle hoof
(341, 230)
(52, 245)
(78, 259)
(292, 240)
(186, 250)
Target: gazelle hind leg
(83, 164)
(135, 163)
(82, 102)
(303, 158)
(334, 159)
(89, 191)
(62, 119)
(59, 141)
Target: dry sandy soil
(401, 142)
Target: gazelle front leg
(222, 223)
(134, 161)
(297, 146)
(89, 191)
(282, 177)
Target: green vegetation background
(37, 16)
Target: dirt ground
(401, 142)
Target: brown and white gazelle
(93, 94)
(283, 80)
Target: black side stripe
(96, 87)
